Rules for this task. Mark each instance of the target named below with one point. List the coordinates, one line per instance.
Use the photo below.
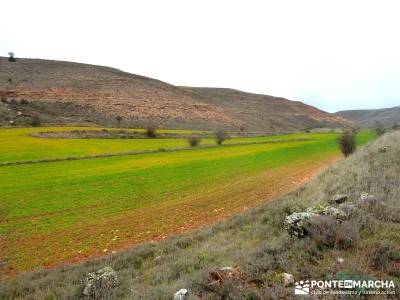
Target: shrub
(347, 236)
(194, 141)
(326, 232)
(35, 121)
(119, 119)
(11, 57)
(322, 230)
(347, 142)
(383, 257)
(151, 131)
(221, 136)
(380, 130)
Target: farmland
(66, 211)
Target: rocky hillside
(388, 117)
(267, 112)
(342, 225)
(72, 93)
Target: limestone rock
(337, 213)
(96, 284)
(294, 223)
(366, 197)
(287, 279)
(182, 294)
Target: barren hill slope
(369, 117)
(73, 93)
(267, 112)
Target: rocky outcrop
(295, 223)
(98, 283)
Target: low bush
(35, 121)
(151, 132)
(347, 142)
(380, 130)
(194, 141)
(384, 257)
(221, 136)
(325, 231)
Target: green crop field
(17, 145)
(60, 212)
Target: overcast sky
(335, 54)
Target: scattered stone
(347, 208)
(366, 197)
(182, 294)
(287, 279)
(337, 199)
(98, 283)
(294, 224)
(226, 269)
(339, 214)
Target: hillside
(388, 117)
(267, 112)
(72, 93)
(251, 255)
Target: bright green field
(17, 145)
(65, 211)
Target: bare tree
(221, 136)
(119, 119)
(11, 57)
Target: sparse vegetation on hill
(247, 256)
(368, 117)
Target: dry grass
(256, 243)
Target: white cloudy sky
(331, 54)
